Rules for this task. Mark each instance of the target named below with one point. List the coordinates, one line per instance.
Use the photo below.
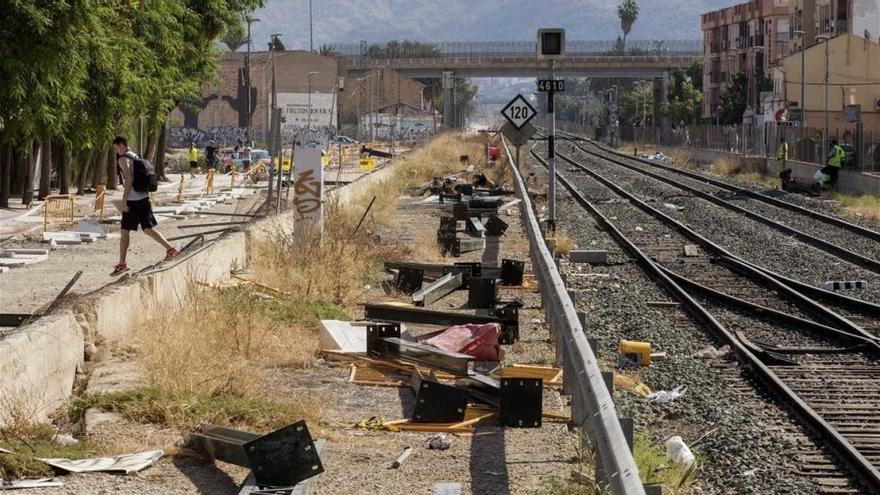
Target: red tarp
(494, 153)
(479, 341)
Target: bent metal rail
(592, 407)
(844, 449)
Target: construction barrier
(100, 194)
(232, 176)
(179, 197)
(209, 183)
(58, 209)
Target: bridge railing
(514, 49)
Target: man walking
(782, 155)
(211, 157)
(136, 208)
(193, 159)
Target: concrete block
(39, 361)
(588, 256)
(62, 237)
(12, 252)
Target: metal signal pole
(551, 155)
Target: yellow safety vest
(782, 153)
(837, 156)
(193, 155)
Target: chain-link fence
(804, 143)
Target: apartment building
(748, 38)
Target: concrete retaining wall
(38, 361)
(850, 182)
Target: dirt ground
(493, 460)
(29, 288)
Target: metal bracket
(482, 293)
(496, 226)
(475, 227)
(437, 402)
(376, 333)
(438, 289)
(409, 280)
(512, 272)
(507, 317)
(522, 402)
(283, 457)
(461, 246)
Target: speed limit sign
(519, 112)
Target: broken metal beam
(283, 457)
(461, 246)
(432, 357)
(215, 224)
(506, 317)
(438, 289)
(195, 234)
(475, 227)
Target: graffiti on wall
(409, 128)
(308, 120)
(180, 137)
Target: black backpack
(144, 178)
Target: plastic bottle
(678, 452)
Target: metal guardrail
(592, 407)
(505, 49)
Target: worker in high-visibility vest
(835, 162)
(782, 155)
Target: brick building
(221, 114)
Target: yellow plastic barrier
(232, 178)
(100, 195)
(58, 209)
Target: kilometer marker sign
(519, 112)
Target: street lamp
(825, 38)
(803, 36)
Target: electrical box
(551, 43)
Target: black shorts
(193, 164)
(139, 212)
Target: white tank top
(128, 159)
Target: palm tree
(327, 51)
(628, 12)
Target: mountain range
(350, 21)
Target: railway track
(815, 357)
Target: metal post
(803, 77)
(827, 76)
(551, 157)
(311, 37)
(247, 83)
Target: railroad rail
(831, 248)
(829, 380)
(592, 407)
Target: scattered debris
(38, 483)
(678, 452)
(711, 352)
(347, 336)
(633, 354)
(446, 489)
(670, 206)
(479, 341)
(402, 458)
(664, 396)
(128, 463)
(438, 442)
(624, 382)
(691, 250)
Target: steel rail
(831, 317)
(837, 222)
(828, 247)
(857, 463)
(599, 414)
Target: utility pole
(825, 38)
(803, 102)
(311, 36)
(309, 124)
(247, 81)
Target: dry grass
(561, 244)
(865, 206)
(726, 166)
(682, 159)
(756, 178)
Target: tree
(404, 49)
(276, 45)
(235, 37)
(636, 106)
(327, 51)
(463, 92)
(628, 12)
(735, 95)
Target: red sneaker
(119, 269)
